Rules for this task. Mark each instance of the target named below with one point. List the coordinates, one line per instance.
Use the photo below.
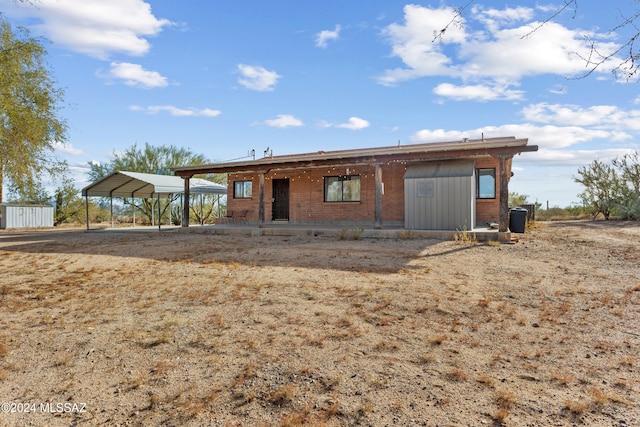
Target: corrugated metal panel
(26, 216)
(441, 203)
(440, 169)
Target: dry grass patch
(577, 407)
(4, 349)
(458, 374)
(438, 339)
(283, 395)
(178, 328)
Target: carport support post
(377, 223)
(86, 206)
(185, 207)
(201, 209)
(159, 212)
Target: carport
(145, 185)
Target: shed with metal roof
(440, 196)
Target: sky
(222, 78)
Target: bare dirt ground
(168, 328)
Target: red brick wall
(306, 194)
(239, 204)
(488, 210)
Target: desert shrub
(345, 234)
(464, 236)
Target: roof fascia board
(465, 145)
(363, 158)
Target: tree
(612, 188)
(516, 199)
(29, 108)
(34, 194)
(628, 167)
(602, 188)
(69, 205)
(151, 159)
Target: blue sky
(225, 77)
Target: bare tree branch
(566, 5)
(456, 20)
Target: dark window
(425, 189)
(242, 189)
(486, 183)
(342, 188)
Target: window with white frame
(242, 189)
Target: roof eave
(437, 151)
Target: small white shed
(440, 196)
(26, 216)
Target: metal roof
(136, 184)
(454, 149)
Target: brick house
(444, 185)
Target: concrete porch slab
(480, 234)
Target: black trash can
(517, 220)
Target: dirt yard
(170, 328)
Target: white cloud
(96, 27)
(550, 49)
(354, 123)
(477, 92)
(559, 146)
(175, 111)
(284, 121)
(135, 75)
(597, 116)
(549, 137)
(439, 135)
(550, 157)
(492, 48)
(495, 18)
(257, 78)
(80, 168)
(326, 35)
(66, 148)
(414, 44)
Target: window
(342, 188)
(486, 183)
(242, 189)
(425, 189)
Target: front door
(280, 200)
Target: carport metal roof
(136, 184)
